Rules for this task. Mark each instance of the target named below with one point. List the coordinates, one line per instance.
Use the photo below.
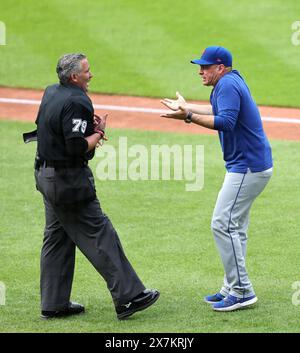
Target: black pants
(88, 228)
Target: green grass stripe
(144, 48)
(166, 235)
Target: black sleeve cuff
(76, 146)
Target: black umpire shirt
(65, 115)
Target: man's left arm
(183, 113)
(75, 123)
(228, 102)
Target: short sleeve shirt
(65, 112)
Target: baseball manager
(248, 160)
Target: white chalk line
(121, 108)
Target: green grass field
(144, 47)
(138, 47)
(166, 234)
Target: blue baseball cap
(214, 55)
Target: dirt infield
(140, 113)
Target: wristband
(100, 132)
(188, 119)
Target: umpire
(67, 135)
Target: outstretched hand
(178, 106)
(179, 114)
(174, 104)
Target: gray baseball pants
(230, 224)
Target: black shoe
(72, 309)
(140, 302)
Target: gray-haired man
(67, 135)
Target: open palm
(174, 104)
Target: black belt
(60, 164)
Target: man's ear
(73, 77)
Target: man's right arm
(175, 104)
